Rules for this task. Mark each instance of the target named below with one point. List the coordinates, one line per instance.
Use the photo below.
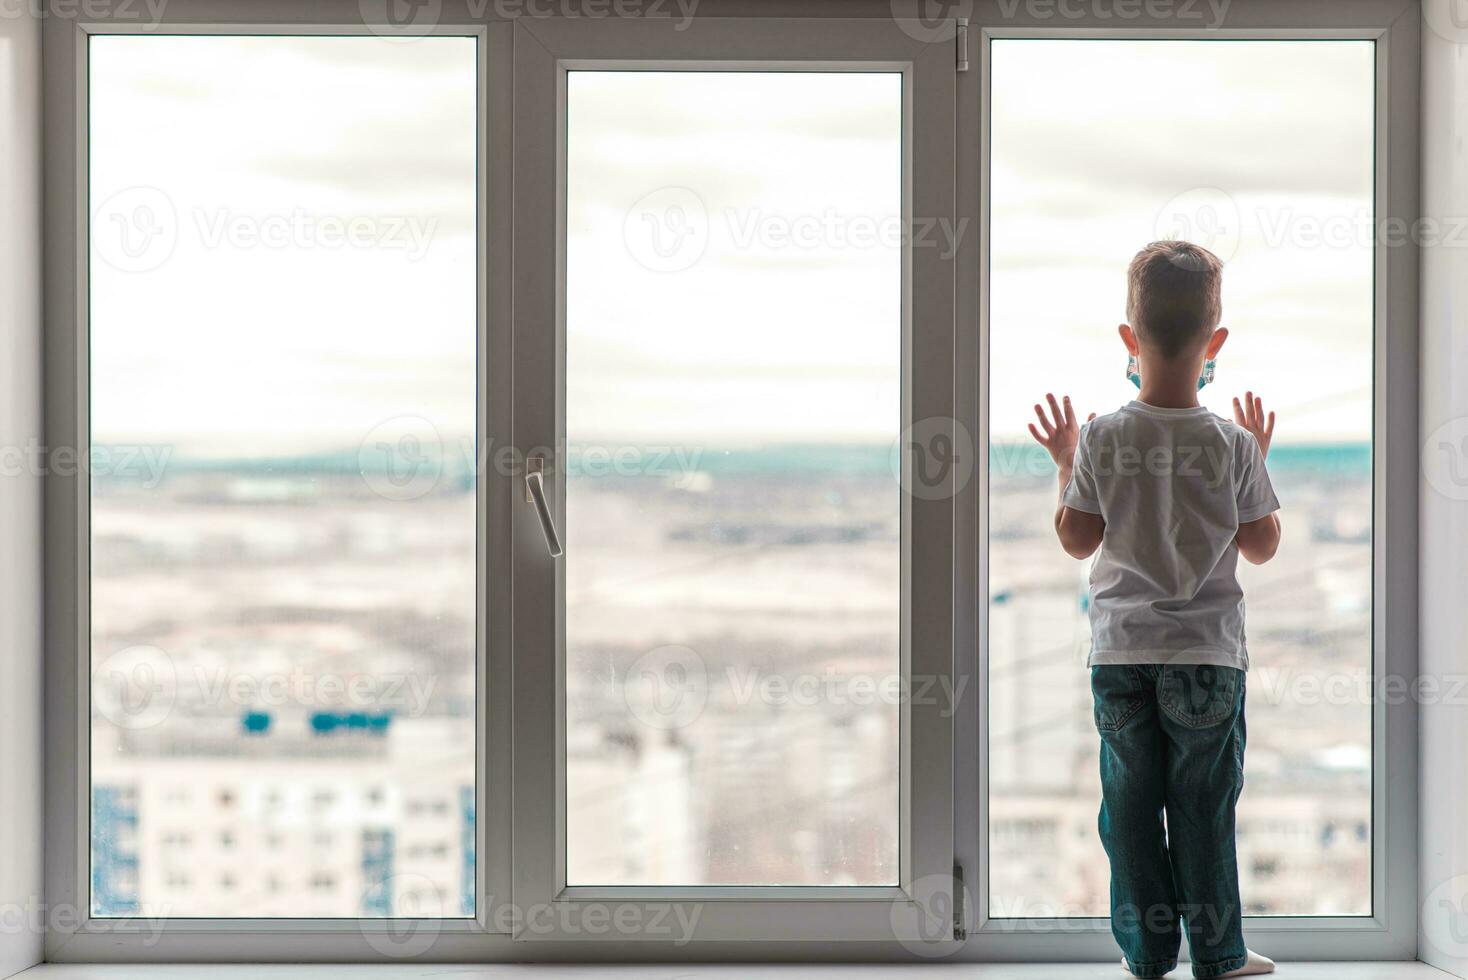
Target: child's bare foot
(1125, 967)
(1257, 964)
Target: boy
(1172, 495)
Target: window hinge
(961, 37)
(960, 930)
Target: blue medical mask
(1135, 377)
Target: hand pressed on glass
(1079, 532)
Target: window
(733, 578)
(727, 376)
(561, 480)
(282, 340)
(1269, 163)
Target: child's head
(1174, 304)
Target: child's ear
(1215, 343)
(1128, 337)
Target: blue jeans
(1172, 741)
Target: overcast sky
(733, 267)
(1092, 143)
(226, 345)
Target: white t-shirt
(1173, 485)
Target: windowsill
(443, 971)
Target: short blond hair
(1174, 295)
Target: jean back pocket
(1199, 695)
(1117, 694)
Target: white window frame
(519, 330)
(832, 913)
(73, 933)
(1390, 932)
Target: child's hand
(1250, 415)
(1061, 433)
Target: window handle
(535, 492)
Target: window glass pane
(1263, 152)
(732, 578)
(282, 350)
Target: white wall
(20, 494)
(1444, 527)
